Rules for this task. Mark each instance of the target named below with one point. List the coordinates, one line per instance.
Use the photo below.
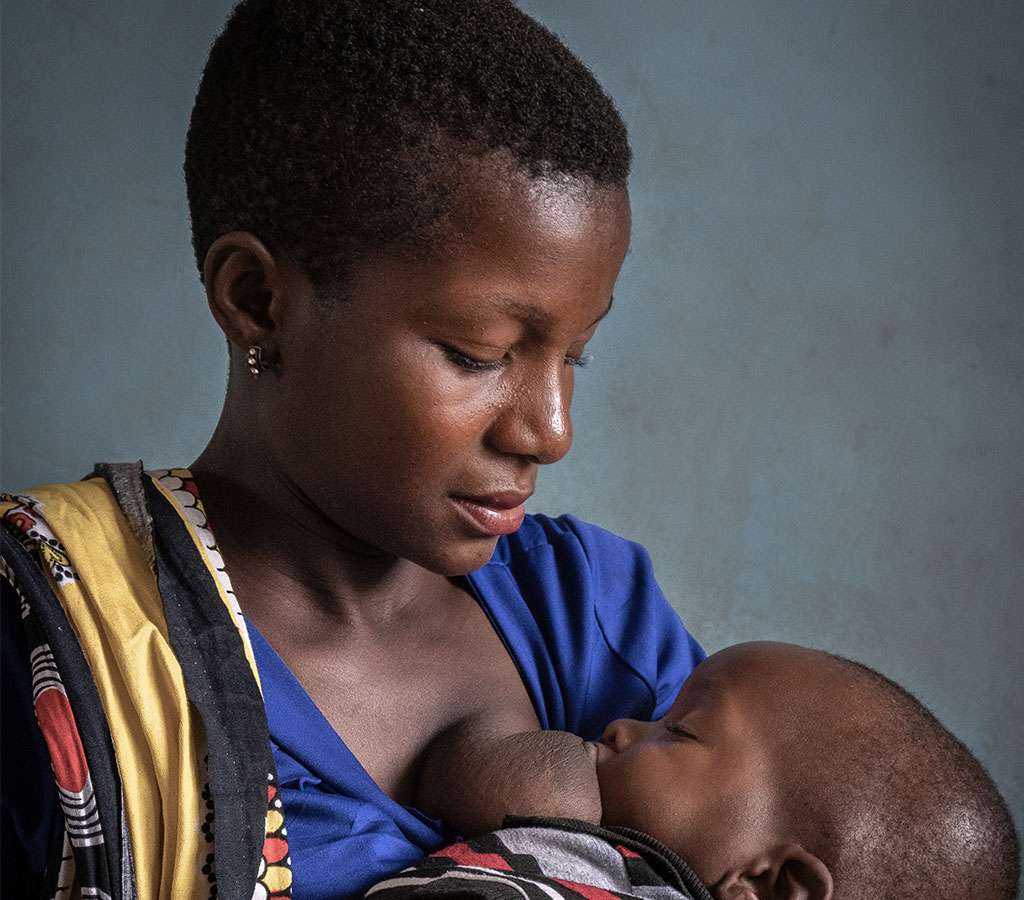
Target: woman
(408, 218)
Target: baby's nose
(621, 733)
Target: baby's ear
(786, 872)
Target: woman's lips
(495, 514)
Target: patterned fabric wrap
(146, 692)
(548, 859)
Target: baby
(779, 772)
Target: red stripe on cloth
(466, 856)
(587, 890)
(626, 852)
(57, 723)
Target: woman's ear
(787, 872)
(241, 277)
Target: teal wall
(809, 400)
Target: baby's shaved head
(877, 788)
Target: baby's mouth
(594, 750)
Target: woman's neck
(284, 555)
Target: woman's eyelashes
(475, 364)
(472, 363)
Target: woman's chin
(461, 560)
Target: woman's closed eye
(473, 363)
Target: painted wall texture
(808, 402)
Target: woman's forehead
(495, 187)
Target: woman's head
(457, 177)
(332, 130)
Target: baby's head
(783, 772)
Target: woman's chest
(389, 699)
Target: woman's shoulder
(564, 566)
(613, 643)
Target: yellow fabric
(116, 611)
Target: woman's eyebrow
(607, 310)
(531, 313)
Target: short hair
(331, 129)
(899, 807)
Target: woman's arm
(476, 773)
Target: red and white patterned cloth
(549, 859)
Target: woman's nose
(534, 421)
(621, 733)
